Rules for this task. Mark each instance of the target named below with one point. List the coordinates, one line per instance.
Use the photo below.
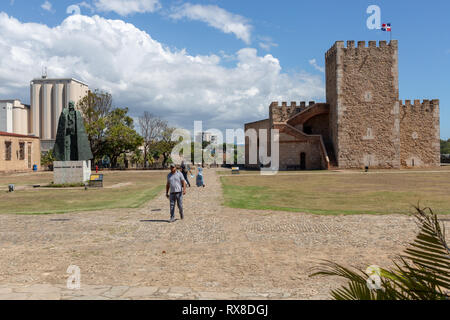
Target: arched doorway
(307, 130)
(302, 161)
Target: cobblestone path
(214, 253)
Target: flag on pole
(386, 27)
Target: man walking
(185, 169)
(176, 185)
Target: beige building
(14, 117)
(362, 123)
(48, 97)
(19, 152)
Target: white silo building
(47, 99)
(14, 117)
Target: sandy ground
(215, 252)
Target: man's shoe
(172, 220)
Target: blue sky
(222, 62)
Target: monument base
(65, 172)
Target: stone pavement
(101, 292)
(214, 253)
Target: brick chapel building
(362, 123)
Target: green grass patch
(140, 188)
(335, 194)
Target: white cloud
(143, 74)
(86, 5)
(47, 6)
(313, 62)
(215, 17)
(267, 43)
(126, 7)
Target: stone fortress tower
(368, 123)
(363, 122)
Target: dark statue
(71, 143)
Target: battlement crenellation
(361, 45)
(418, 102)
(420, 106)
(363, 122)
(293, 104)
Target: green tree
(151, 128)
(137, 157)
(96, 108)
(165, 145)
(120, 136)
(47, 158)
(445, 146)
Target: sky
(219, 61)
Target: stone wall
(19, 161)
(333, 67)
(263, 124)
(419, 133)
(291, 148)
(284, 112)
(366, 107)
(365, 124)
(331, 74)
(319, 125)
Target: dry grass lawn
(383, 192)
(122, 189)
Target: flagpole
(391, 31)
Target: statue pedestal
(71, 171)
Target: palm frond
(357, 288)
(429, 253)
(422, 272)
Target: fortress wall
(282, 113)
(319, 125)
(291, 149)
(419, 133)
(332, 68)
(367, 124)
(263, 124)
(364, 92)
